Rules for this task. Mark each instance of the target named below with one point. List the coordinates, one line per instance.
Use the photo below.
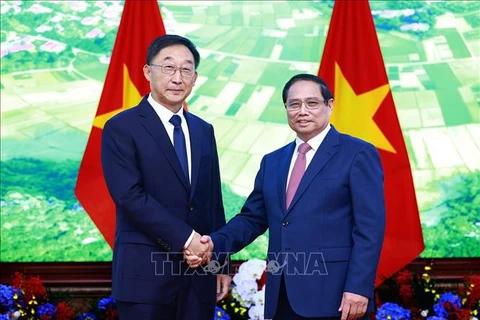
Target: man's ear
(330, 105)
(147, 72)
(194, 78)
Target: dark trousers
(284, 309)
(185, 306)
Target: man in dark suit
(161, 167)
(321, 197)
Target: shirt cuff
(187, 243)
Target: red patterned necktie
(297, 172)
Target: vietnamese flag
(124, 87)
(352, 65)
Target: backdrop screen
(54, 58)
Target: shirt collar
(316, 141)
(164, 113)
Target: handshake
(199, 251)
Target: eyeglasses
(310, 104)
(171, 69)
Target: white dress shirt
(165, 115)
(314, 143)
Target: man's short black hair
(169, 40)
(326, 93)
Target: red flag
(124, 86)
(352, 64)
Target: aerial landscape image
(54, 59)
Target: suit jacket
(156, 207)
(329, 240)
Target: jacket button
(191, 208)
(285, 223)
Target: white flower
(256, 312)
(239, 278)
(253, 268)
(424, 313)
(259, 297)
(245, 289)
(245, 283)
(245, 299)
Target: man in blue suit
(321, 197)
(161, 167)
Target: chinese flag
(123, 88)
(352, 65)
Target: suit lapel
(154, 126)
(325, 152)
(195, 147)
(284, 166)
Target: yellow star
(131, 97)
(353, 114)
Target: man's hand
(353, 306)
(199, 251)
(223, 285)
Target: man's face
(307, 122)
(171, 90)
